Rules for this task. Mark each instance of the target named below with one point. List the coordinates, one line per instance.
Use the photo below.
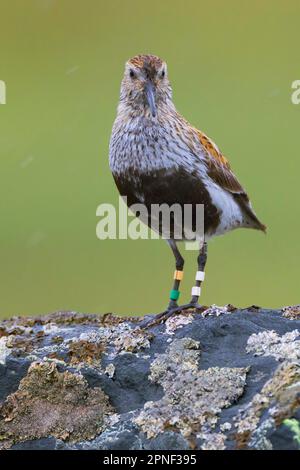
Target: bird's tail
(253, 221)
(260, 226)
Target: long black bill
(150, 95)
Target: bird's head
(145, 85)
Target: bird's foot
(171, 310)
(172, 305)
(195, 305)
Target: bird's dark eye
(163, 73)
(131, 73)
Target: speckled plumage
(164, 159)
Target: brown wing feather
(219, 171)
(219, 168)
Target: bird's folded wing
(219, 168)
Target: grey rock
(224, 378)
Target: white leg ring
(196, 291)
(200, 275)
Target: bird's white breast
(146, 145)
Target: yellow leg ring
(178, 275)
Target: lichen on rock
(193, 398)
(292, 312)
(216, 310)
(269, 343)
(218, 378)
(132, 340)
(279, 396)
(212, 441)
(4, 350)
(85, 352)
(52, 403)
(176, 322)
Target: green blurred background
(231, 65)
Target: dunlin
(157, 157)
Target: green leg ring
(174, 294)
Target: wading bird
(157, 157)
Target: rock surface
(223, 378)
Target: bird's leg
(200, 274)
(173, 307)
(174, 294)
(178, 275)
